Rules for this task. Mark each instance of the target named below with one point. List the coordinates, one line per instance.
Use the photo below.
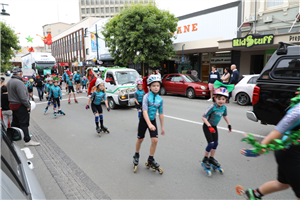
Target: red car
(185, 84)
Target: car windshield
(191, 78)
(124, 77)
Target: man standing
(189, 71)
(234, 77)
(18, 98)
(213, 76)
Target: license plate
(203, 92)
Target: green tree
(141, 34)
(9, 44)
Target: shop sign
(253, 40)
(187, 28)
(294, 38)
(63, 64)
(220, 60)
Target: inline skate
(61, 112)
(206, 165)
(69, 101)
(135, 162)
(75, 100)
(104, 130)
(46, 109)
(248, 194)
(98, 131)
(215, 165)
(154, 166)
(55, 115)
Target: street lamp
(3, 10)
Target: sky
(28, 16)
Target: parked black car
(276, 85)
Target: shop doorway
(256, 64)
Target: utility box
(268, 19)
(252, 18)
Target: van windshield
(124, 77)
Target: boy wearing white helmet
(47, 90)
(151, 103)
(211, 118)
(70, 83)
(96, 99)
(138, 97)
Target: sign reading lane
(253, 40)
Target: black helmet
(16, 70)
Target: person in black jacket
(235, 76)
(40, 87)
(213, 76)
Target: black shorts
(210, 137)
(56, 101)
(139, 107)
(143, 128)
(96, 108)
(71, 89)
(77, 82)
(288, 168)
(30, 90)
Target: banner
(253, 40)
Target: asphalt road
(107, 160)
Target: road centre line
(181, 119)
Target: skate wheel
(147, 165)
(135, 168)
(160, 171)
(153, 169)
(107, 131)
(208, 173)
(64, 114)
(221, 171)
(239, 190)
(99, 134)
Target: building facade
(69, 48)
(105, 8)
(54, 29)
(265, 24)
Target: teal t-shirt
(214, 114)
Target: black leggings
(210, 137)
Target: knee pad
(54, 105)
(140, 113)
(215, 145)
(49, 103)
(101, 117)
(96, 118)
(209, 147)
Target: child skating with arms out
(211, 118)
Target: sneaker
(32, 143)
(209, 100)
(250, 194)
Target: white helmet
(153, 78)
(48, 73)
(221, 91)
(50, 79)
(98, 82)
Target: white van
(120, 86)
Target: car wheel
(190, 93)
(163, 90)
(112, 103)
(243, 99)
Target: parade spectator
(226, 76)
(18, 98)
(39, 84)
(189, 71)
(153, 72)
(6, 112)
(213, 76)
(2, 81)
(234, 77)
(157, 73)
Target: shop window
(82, 10)
(288, 68)
(272, 3)
(284, 30)
(83, 2)
(269, 32)
(295, 29)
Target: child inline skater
(76, 80)
(287, 156)
(65, 78)
(138, 95)
(96, 99)
(30, 88)
(211, 118)
(83, 84)
(71, 89)
(55, 94)
(151, 103)
(47, 90)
